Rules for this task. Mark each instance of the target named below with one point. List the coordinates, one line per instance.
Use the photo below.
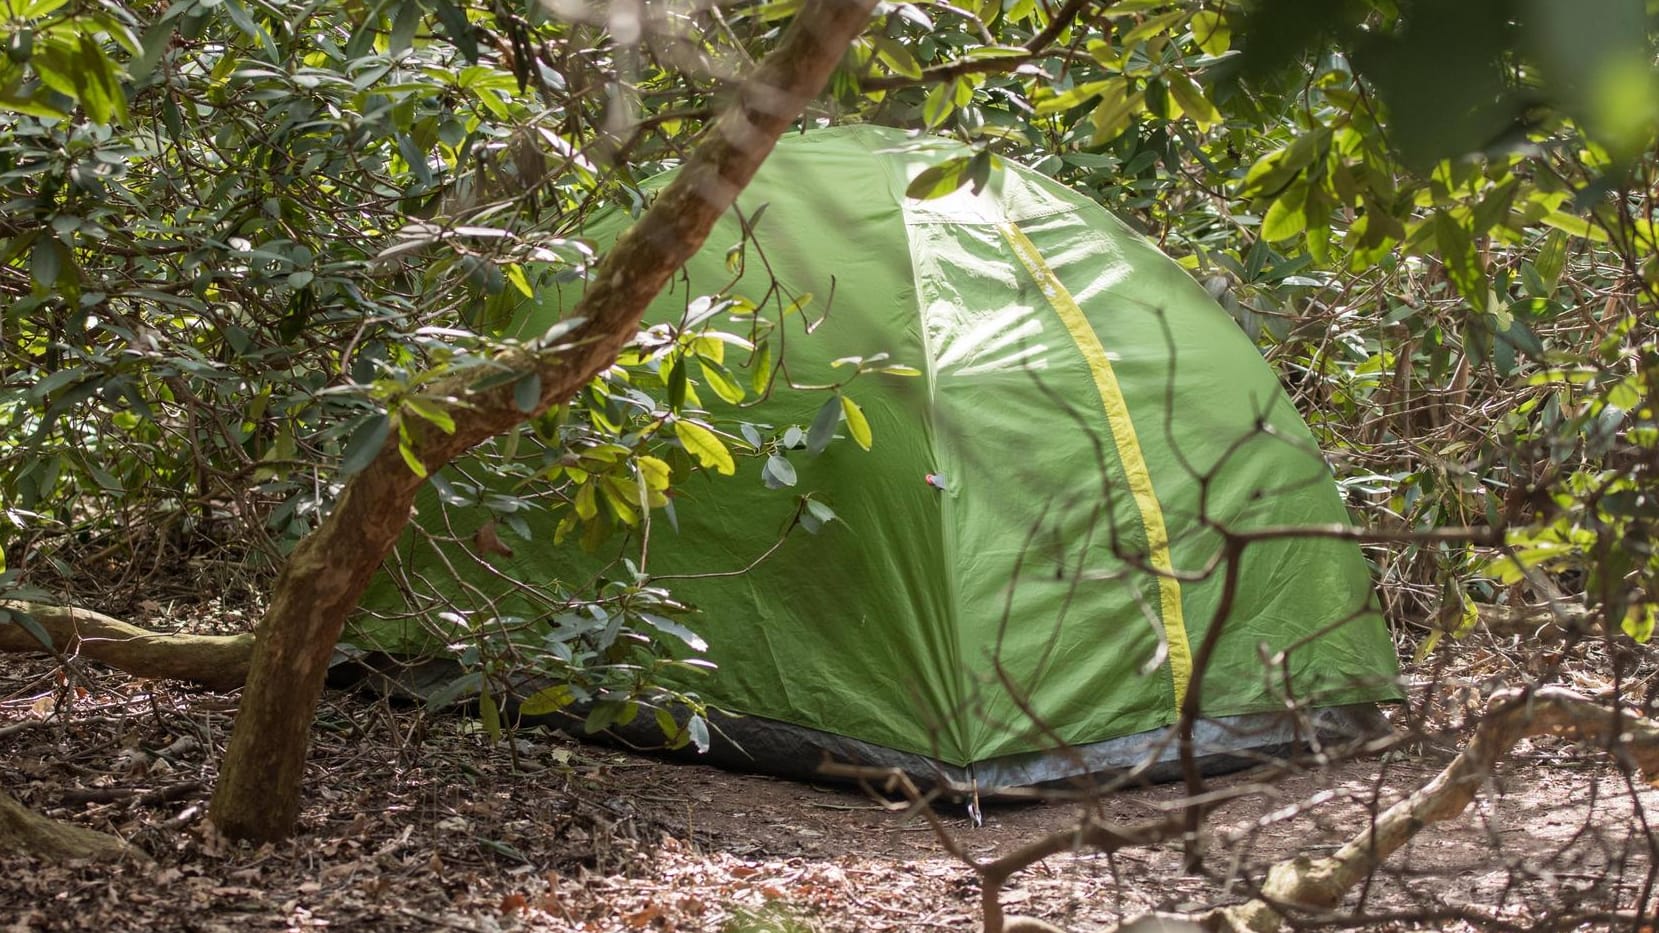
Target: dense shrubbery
(241, 236)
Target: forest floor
(415, 822)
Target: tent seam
(967, 747)
(1122, 428)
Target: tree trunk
(24, 832)
(258, 793)
(217, 662)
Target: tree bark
(24, 832)
(217, 662)
(258, 794)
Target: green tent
(1027, 555)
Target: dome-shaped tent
(1033, 536)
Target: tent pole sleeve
(1129, 452)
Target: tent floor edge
(1225, 745)
(756, 744)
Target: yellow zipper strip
(1129, 452)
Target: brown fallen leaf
(488, 541)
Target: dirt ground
(416, 822)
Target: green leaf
(938, 106)
(895, 56)
(1551, 259)
(513, 271)
(990, 52)
(820, 511)
(46, 261)
(240, 17)
(1521, 337)
(706, 446)
(99, 88)
(1151, 26)
(775, 10)
(1626, 394)
(1272, 173)
(106, 480)
(56, 64)
(586, 502)
(410, 460)
(936, 181)
(490, 715)
(778, 472)
(658, 474)
(1116, 110)
(465, 685)
(677, 384)
(1192, 100)
(980, 169)
(17, 103)
(671, 731)
(431, 412)
(365, 443)
(946, 98)
(1066, 100)
(405, 22)
(604, 714)
(1287, 216)
(760, 376)
(1462, 262)
(698, 729)
(1468, 615)
(35, 9)
(709, 348)
(857, 425)
(548, 700)
(1211, 32)
(460, 31)
(721, 382)
(823, 425)
(1575, 225)
(622, 499)
(675, 629)
(1638, 622)
(1427, 647)
(796, 304)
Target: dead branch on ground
(1306, 887)
(218, 662)
(1319, 885)
(24, 832)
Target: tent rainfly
(1025, 564)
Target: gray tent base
(1232, 743)
(768, 746)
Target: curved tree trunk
(217, 662)
(258, 795)
(24, 832)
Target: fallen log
(1306, 889)
(25, 832)
(1302, 886)
(217, 662)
